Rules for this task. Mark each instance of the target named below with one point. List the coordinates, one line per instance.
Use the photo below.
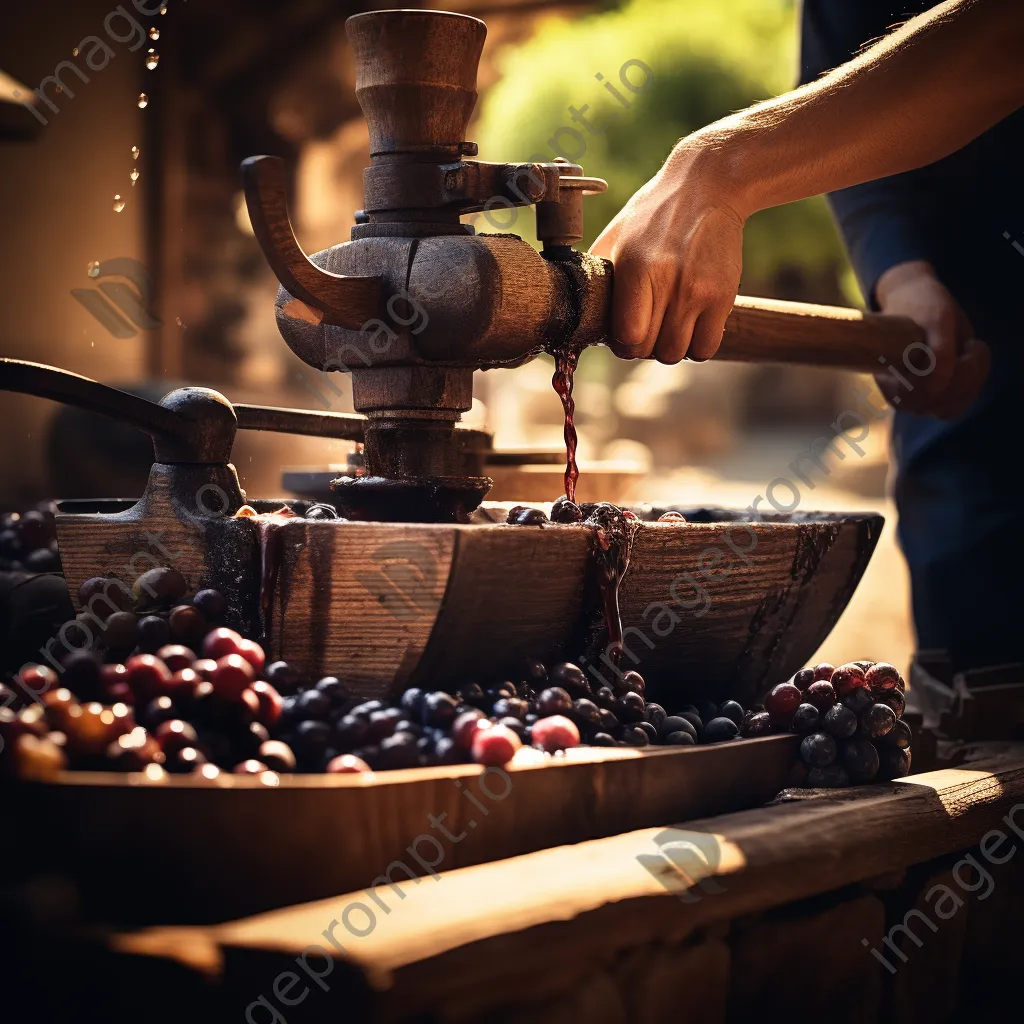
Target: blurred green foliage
(707, 58)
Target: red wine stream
(566, 360)
(614, 530)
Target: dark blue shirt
(959, 485)
(954, 213)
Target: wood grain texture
(557, 913)
(173, 524)
(183, 851)
(436, 605)
(774, 331)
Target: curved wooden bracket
(344, 301)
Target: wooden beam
(548, 910)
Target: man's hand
(677, 247)
(961, 361)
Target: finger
(676, 330)
(605, 241)
(707, 333)
(633, 311)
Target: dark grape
(818, 749)
(860, 759)
(806, 719)
(731, 709)
(720, 729)
(879, 720)
(840, 722)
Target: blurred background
(127, 255)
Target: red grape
(883, 677)
(271, 703)
(221, 642)
(555, 732)
(346, 764)
(846, 679)
(232, 675)
(176, 657)
(146, 676)
(495, 746)
(253, 653)
(782, 702)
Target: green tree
(705, 60)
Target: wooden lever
(344, 301)
(773, 331)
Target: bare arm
(917, 95)
(920, 93)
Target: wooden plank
(145, 851)
(758, 859)
(450, 942)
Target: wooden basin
(714, 609)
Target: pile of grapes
(117, 620)
(851, 720)
(28, 541)
(224, 709)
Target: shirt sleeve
(883, 222)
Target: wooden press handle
(773, 331)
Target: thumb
(606, 240)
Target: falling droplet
(152, 59)
(134, 175)
(118, 204)
(143, 101)
(93, 270)
(135, 152)
(163, 10)
(74, 52)
(154, 33)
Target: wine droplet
(74, 52)
(93, 269)
(134, 175)
(135, 152)
(143, 101)
(118, 204)
(152, 59)
(163, 10)
(154, 33)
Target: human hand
(960, 360)
(677, 249)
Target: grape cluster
(851, 720)
(119, 620)
(28, 541)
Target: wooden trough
(718, 608)
(178, 849)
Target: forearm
(919, 94)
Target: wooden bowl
(713, 608)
